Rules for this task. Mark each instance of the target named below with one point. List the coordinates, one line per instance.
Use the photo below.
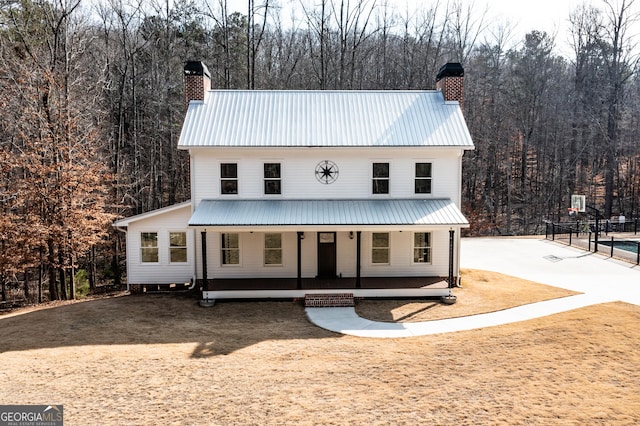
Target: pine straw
(163, 360)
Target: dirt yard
(146, 360)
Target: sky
(523, 15)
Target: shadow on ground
(158, 319)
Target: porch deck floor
(326, 283)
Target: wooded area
(92, 105)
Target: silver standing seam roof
(290, 118)
(239, 213)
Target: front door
(326, 254)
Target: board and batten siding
(162, 272)
(252, 256)
(298, 172)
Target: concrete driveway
(547, 262)
(601, 279)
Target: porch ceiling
(317, 214)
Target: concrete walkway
(600, 279)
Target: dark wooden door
(326, 254)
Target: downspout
(194, 276)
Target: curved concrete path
(600, 279)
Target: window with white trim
(272, 249)
(149, 247)
(230, 249)
(380, 179)
(272, 178)
(423, 178)
(177, 247)
(380, 247)
(422, 247)
(229, 178)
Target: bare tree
(620, 59)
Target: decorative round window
(327, 172)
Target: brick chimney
(450, 81)
(197, 81)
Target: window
(273, 249)
(422, 247)
(149, 247)
(380, 247)
(230, 249)
(177, 247)
(229, 178)
(423, 178)
(272, 178)
(380, 178)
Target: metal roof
(150, 214)
(241, 213)
(259, 118)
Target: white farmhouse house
(299, 192)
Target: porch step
(328, 300)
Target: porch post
(358, 263)
(451, 257)
(205, 280)
(299, 260)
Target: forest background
(92, 106)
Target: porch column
(299, 260)
(451, 257)
(205, 281)
(358, 263)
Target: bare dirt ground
(143, 360)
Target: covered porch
(253, 284)
(288, 288)
(324, 247)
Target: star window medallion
(326, 172)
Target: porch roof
(334, 213)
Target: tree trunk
(53, 287)
(3, 289)
(27, 293)
(92, 269)
(63, 284)
(72, 283)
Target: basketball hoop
(573, 210)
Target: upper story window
(177, 247)
(272, 178)
(272, 249)
(149, 247)
(423, 178)
(422, 247)
(380, 178)
(380, 247)
(229, 178)
(230, 249)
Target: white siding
(162, 272)
(298, 172)
(252, 257)
(401, 256)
